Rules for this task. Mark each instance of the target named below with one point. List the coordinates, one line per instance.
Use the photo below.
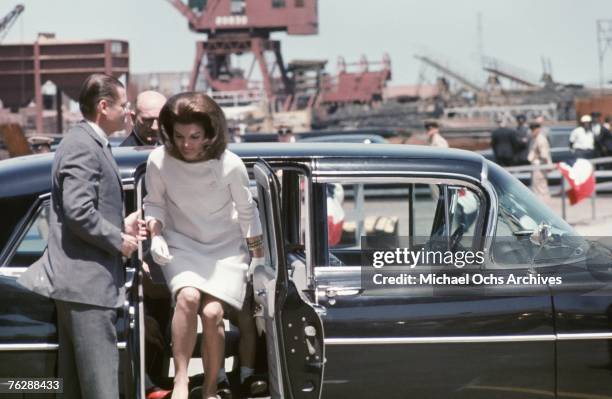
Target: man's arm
(79, 177)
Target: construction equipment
(505, 70)
(235, 27)
(9, 19)
(447, 71)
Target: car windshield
(521, 209)
(520, 215)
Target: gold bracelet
(255, 244)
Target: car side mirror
(540, 237)
(544, 233)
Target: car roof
(346, 138)
(31, 174)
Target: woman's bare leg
(213, 335)
(184, 333)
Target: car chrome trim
(438, 340)
(475, 339)
(584, 336)
(41, 347)
(484, 172)
(389, 176)
(12, 271)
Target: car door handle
(319, 310)
(332, 292)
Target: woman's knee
(188, 298)
(213, 312)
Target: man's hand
(129, 244)
(135, 226)
(159, 250)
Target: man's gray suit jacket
(82, 262)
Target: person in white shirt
(582, 139)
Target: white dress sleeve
(154, 202)
(248, 215)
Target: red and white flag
(580, 175)
(335, 214)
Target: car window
(33, 240)
(395, 211)
(33, 243)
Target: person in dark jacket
(502, 143)
(145, 117)
(521, 141)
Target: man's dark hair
(97, 87)
(430, 124)
(534, 125)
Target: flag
(335, 213)
(580, 175)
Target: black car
(330, 330)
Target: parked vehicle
(329, 333)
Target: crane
(9, 19)
(236, 27)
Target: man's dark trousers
(87, 349)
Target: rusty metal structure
(25, 67)
(358, 82)
(236, 27)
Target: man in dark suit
(502, 142)
(145, 118)
(82, 267)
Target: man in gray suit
(82, 268)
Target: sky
(519, 32)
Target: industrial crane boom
(9, 19)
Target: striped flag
(580, 175)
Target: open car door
(294, 331)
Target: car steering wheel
(455, 238)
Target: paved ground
(582, 218)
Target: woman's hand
(255, 261)
(159, 250)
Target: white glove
(255, 261)
(159, 250)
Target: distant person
(605, 140)
(596, 123)
(40, 144)
(82, 268)
(502, 143)
(539, 154)
(544, 130)
(285, 135)
(582, 139)
(435, 139)
(145, 118)
(521, 141)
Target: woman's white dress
(207, 211)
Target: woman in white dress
(203, 224)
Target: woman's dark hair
(193, 107)
(97, 87)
